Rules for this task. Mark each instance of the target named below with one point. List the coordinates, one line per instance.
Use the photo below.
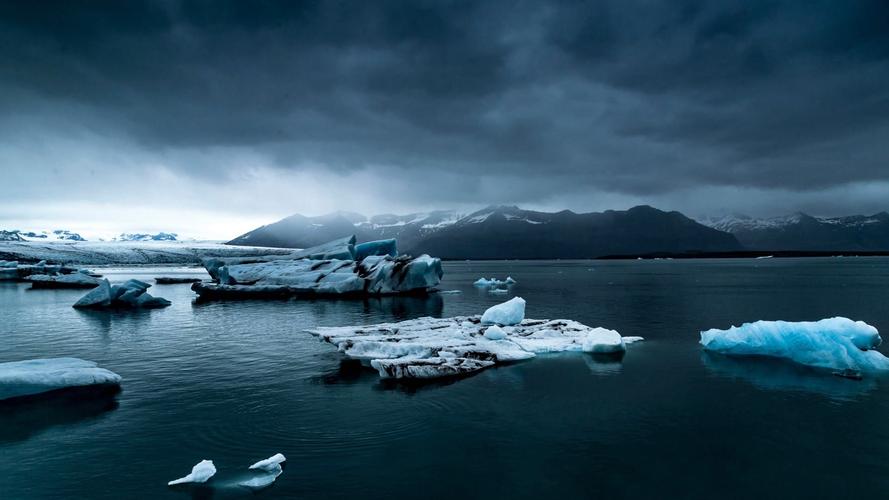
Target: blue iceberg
(838, 344)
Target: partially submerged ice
(36, 376)
(428, 348)
(336, 268)
(200, 473)
(130, 294)
(266, 471)
(838, 344)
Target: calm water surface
(236, 382)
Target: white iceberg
(494, 332)
(200, 473)
(835, 343)
(130, 294)
(428, 348)
(268, 470)
(493, 282)
(511, 312)
(36, 376)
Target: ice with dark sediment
(429, 348)
(16, 271)
(333, 269)
(37, 376)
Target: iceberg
(330, 269)
(511, 312)
(380, 247)
(430, 348)
(838, 344)
(200, 473)
(268, 469)
(36, 376)
(130, 294)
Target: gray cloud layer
(702, 106)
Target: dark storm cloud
(640, 98)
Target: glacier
(200, 473)
(838, 344)
(131, 294)
(36, 376)
(336, 268)
(431, 348)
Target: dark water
(239, 381)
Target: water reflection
(21, 418)
(779, 375)
(604, 364)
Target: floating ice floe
(200, 473)
(267, 471)
(175, 280)
(837, 343)
(81, 279)
(130, 294)
(493, 282)
(428, 348)
(36, 376)
(511, 312)
(333, 269)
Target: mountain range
(506, 232)
(804, 232)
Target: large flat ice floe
(428, 348)
(36, 376)
(835, 343)
(13, 270)
(337, 268)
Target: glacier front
(838, 344)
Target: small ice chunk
(269, 470)
(485, 282)
(603, 341)
(200, 473)
(494, 332)
(630, 340)
(511, 312)
(269, 463)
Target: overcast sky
(209, 118)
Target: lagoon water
(236, 382)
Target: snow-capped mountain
(800, 231)
(55, 235)
(147, 237)
(497, 232)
